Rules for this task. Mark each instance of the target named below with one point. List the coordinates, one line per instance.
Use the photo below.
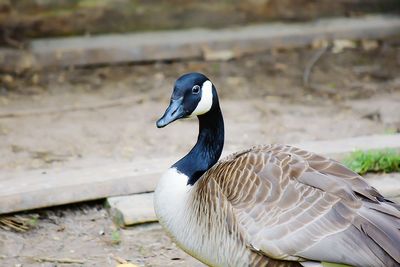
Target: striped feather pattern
(280, 202)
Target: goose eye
(196, 89)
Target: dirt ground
(75, 117)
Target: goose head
(193, 95)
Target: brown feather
(290, 204)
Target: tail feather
(381, 224)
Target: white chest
(195, 228)
(170, 200)
(172, 203)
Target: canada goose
(272, 205)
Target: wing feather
(291, 204)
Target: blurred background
(82, 83)
(24, 19)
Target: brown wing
(292, 204)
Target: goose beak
(174, 111)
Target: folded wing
(291, 204)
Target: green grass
(116, 237)
(373, 161)
(33, 220)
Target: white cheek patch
(206, 99)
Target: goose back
(290, 204)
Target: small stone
(280, 66)
(319, 43)
(159, 76)
(35, 79)
(223, 55)
(369, 45)
(340, 45)
(7, 79)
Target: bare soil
(64, 118)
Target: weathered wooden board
(132, 209)
(42, 188)
(340, 147)
(388, 184)
(49, 187)
(193, 43)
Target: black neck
(208, 148)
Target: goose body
(272, 205)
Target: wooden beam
(194, 43)
(27, 190)
(341, 147)
(34, 189)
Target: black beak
(174, 111)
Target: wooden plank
(132, 209)
(42, 188)
(338, 148)
(199, 43)
(388, 184)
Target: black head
(193, 95)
